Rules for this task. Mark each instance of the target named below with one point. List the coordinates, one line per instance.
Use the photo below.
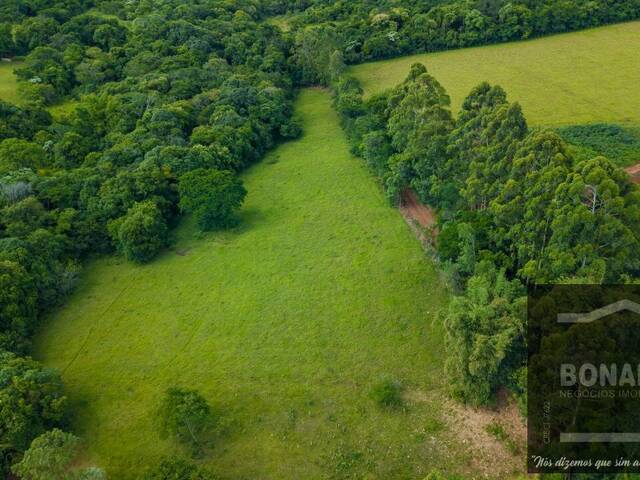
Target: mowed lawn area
(284, 324)
(8, 82)
(575, 78)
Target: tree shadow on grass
(248, 219)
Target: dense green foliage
(160, 90)
(366, 30)
(486, 335)
(141, 233)
(31, 402)
(212, 196)
(508, 197)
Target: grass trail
(583, 77)
(283, 324)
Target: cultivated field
(8, 83)
(284, 324)
(583, 77)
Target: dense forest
(168, 101)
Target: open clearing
(283, 324)
(575, 78)
(8, 82)
(9, 90)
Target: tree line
(514, 209)
(369, 30)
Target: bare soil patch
(634, 172)
(410, 206)
(420, 218)
(489, 458)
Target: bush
(212, 196)
(291, 129)
(141, 233)
(388, 394)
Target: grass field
(284, 324)
(8, 82)
(575, 78)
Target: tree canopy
(212, 196)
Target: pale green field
(8, 82)
(583, 77)
(283, 324)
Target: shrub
(388, 393)
(141, 233)
(212, 196)
(292, 129)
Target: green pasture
(284, 324)
(590, 76)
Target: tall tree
(524, 209)
(503, 128)
(485, 335)
(419, 125)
